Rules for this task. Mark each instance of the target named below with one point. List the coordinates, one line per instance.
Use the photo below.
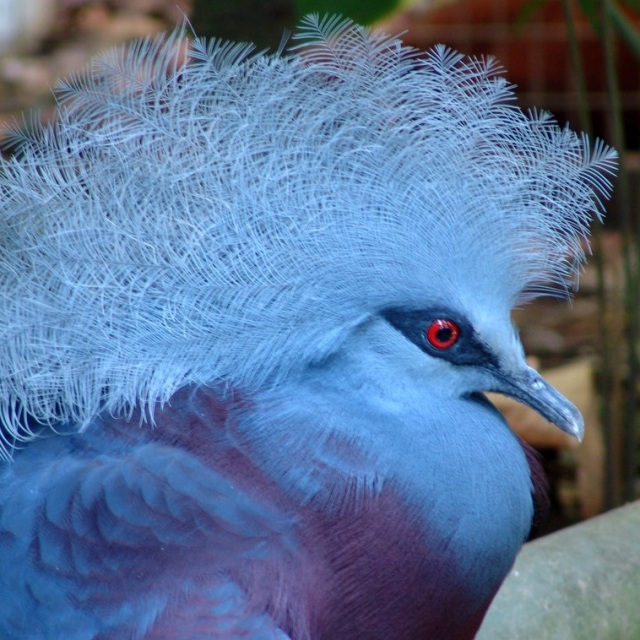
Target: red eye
(442, 333)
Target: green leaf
(362, 11)
(625, 28)
(590, 9)
(527, 10)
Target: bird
(252, 302)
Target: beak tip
(571, 422)
(578, 430)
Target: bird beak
(527, 386)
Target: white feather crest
(232, 218)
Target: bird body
(251, 305)
(333, 547)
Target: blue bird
(250, 304)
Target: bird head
(238, 218)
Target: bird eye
(442, 333)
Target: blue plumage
(250, 304)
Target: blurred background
(579, 59)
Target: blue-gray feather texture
(233, 218)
